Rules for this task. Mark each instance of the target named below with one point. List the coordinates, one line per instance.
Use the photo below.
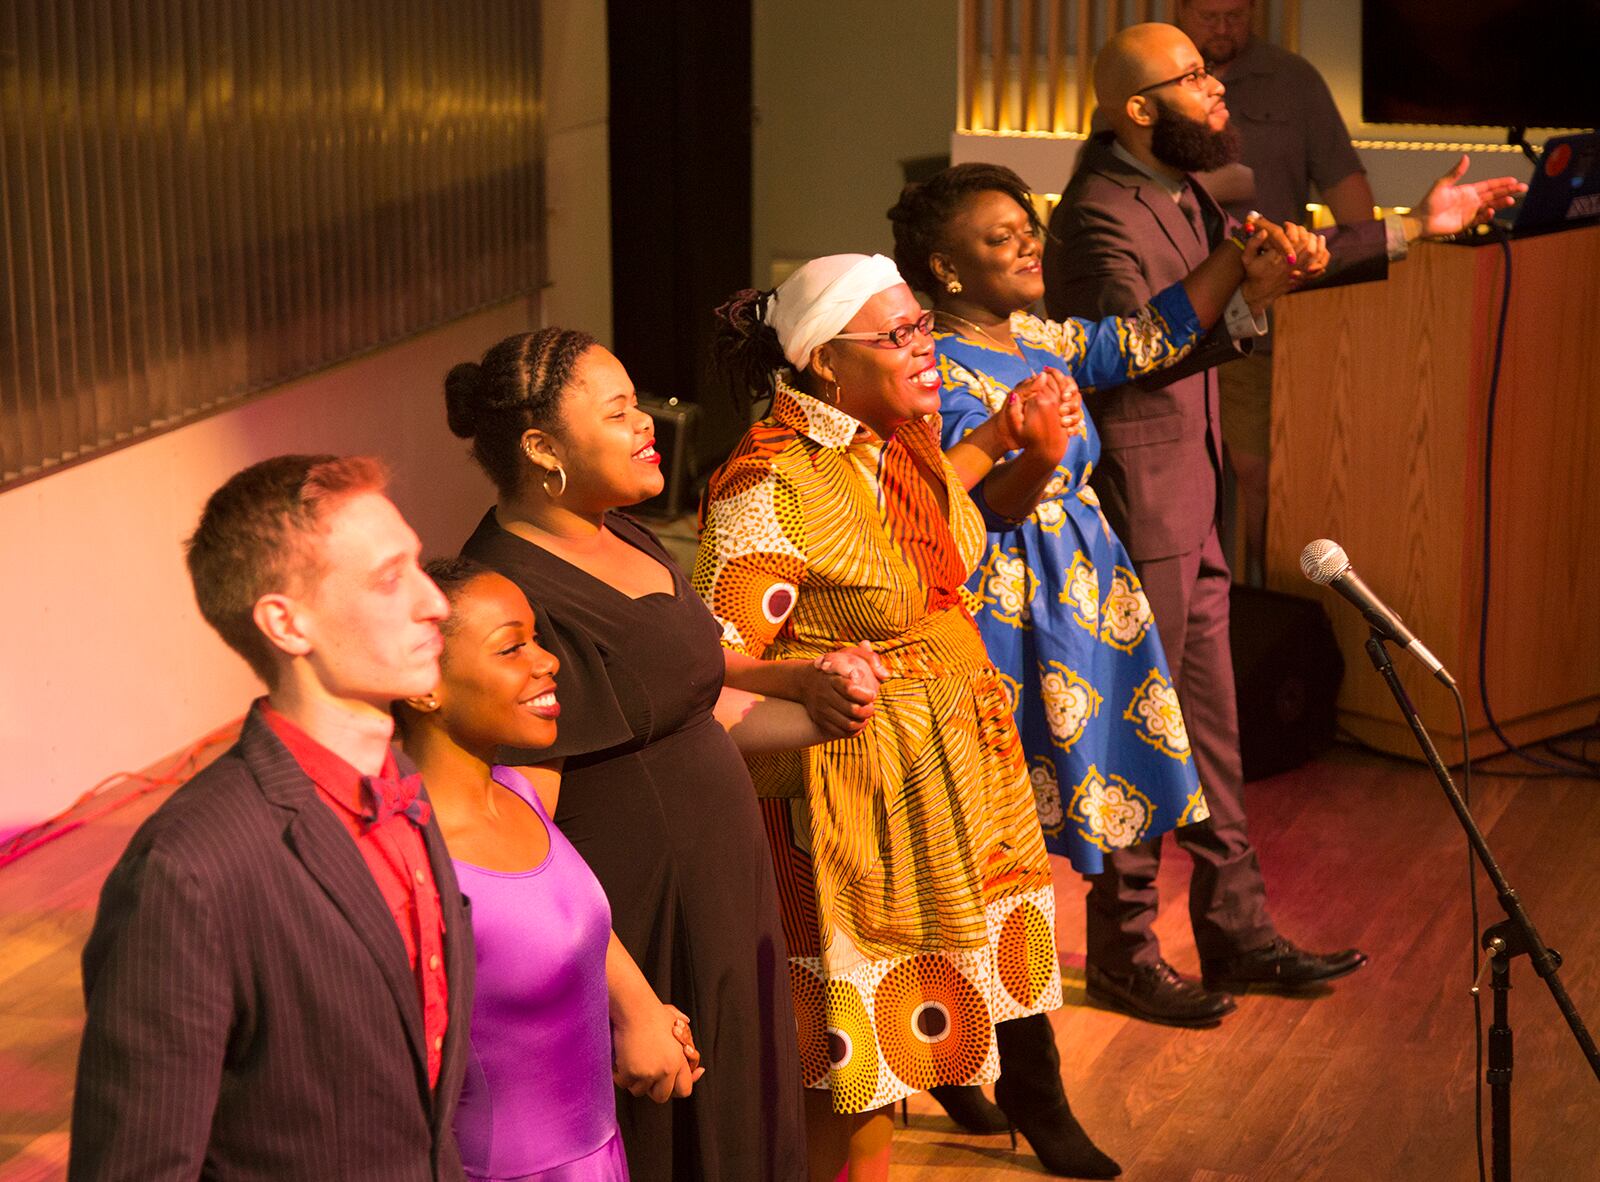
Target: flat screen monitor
(1497, 63)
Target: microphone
(1324, 562)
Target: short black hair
(451, 575)
(925, 208)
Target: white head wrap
(814, 304)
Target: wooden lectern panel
(1379, 410)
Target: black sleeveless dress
(658, 801)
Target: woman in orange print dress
(912, 873)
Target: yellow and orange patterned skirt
(913, 877)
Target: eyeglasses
(897, 337)
(1195, 79)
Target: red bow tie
(385, 798)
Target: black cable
(1503, 240)
(1353, 740)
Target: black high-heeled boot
(1030, 1094)
(970, 1109)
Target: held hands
(691, 1053)
(1007, 425)
(1269, 260)
(1450, 206)
(1310, 254)
(841, 687)
(1014, 429)
(1051, 412)
(654, 1055)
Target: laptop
(1564, 190)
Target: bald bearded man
(1133, 220)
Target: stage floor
(1372, 1080)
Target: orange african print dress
(911, 870)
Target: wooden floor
(1371, 1081)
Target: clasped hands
(841, 687)
(1278, 259)
(1041, 415)
(656, 1056)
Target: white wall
(108, 666)
(105, 665)
(843, 92)
(577, 166)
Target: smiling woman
(552, 980)
(652, 789)
(917, 900)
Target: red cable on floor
(184, 766)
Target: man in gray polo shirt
(1292, 137)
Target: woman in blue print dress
(1056, 598)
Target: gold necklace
(983, 334)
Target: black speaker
(1286, 668)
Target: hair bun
(463, 394)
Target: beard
(1190, 145)
(1221, 50)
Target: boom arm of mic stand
(1545, 962)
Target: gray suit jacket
(1116, 239)
(251, 1011)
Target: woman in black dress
(653, 791)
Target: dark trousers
(1227, 898)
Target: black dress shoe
(970, 1109)
(1157, 993)
(1280, 965)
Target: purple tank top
(537, 1102)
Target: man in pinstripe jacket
(279, 979)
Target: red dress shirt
(398, 859)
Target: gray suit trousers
(1188, 596)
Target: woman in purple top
(554, 986)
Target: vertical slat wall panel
(970, 83)
(1028, 116)
(200, 198)
(1056, 65)
(1019, 60)
(1085, 46)
(1000, 61)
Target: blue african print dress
(1058, 604)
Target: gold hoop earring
(838, 391)
(561, 485)
(952, 285)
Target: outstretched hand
(1449, 206)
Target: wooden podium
(1379, 423)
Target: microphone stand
(1512, 937)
